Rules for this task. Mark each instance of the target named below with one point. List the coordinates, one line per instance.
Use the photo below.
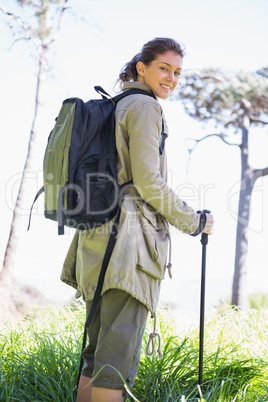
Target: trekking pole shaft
(204, 241)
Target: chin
(165, 96)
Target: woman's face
(162, 74)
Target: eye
(177, 73)
(163, 68)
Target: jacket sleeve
(144, 130)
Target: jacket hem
(69, 282)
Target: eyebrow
(164, 62)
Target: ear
(140, 68)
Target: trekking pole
(204, 242)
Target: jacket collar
(137, 85)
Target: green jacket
(137, 265)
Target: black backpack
(80, 177)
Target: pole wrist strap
(202, 223)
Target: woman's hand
(209, 224)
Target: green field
(40, 358)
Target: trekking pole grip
(202, 222)
(204, 236)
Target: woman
(137, 266)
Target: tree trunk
(240, 292)
(249, 177)
(13, 239)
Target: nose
(171, 76)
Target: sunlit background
(96, 39)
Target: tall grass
(40, 356)
(40, 359)
(235, 361)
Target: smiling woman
(137, 265)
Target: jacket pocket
(152, 242)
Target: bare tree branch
(2, 8)
(15, 41)
(261, 172)
(196, 142)
(55, 35)
(265, 171)
(24, 29)
(254, 119)
(22, 25)
(221, 136)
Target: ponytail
(129, 71)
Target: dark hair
(150, 51)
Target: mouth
(167, 87)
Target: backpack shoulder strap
(142, 92)
(39, 192)
(164, 136)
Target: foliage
(211, 94)
(40, 358)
